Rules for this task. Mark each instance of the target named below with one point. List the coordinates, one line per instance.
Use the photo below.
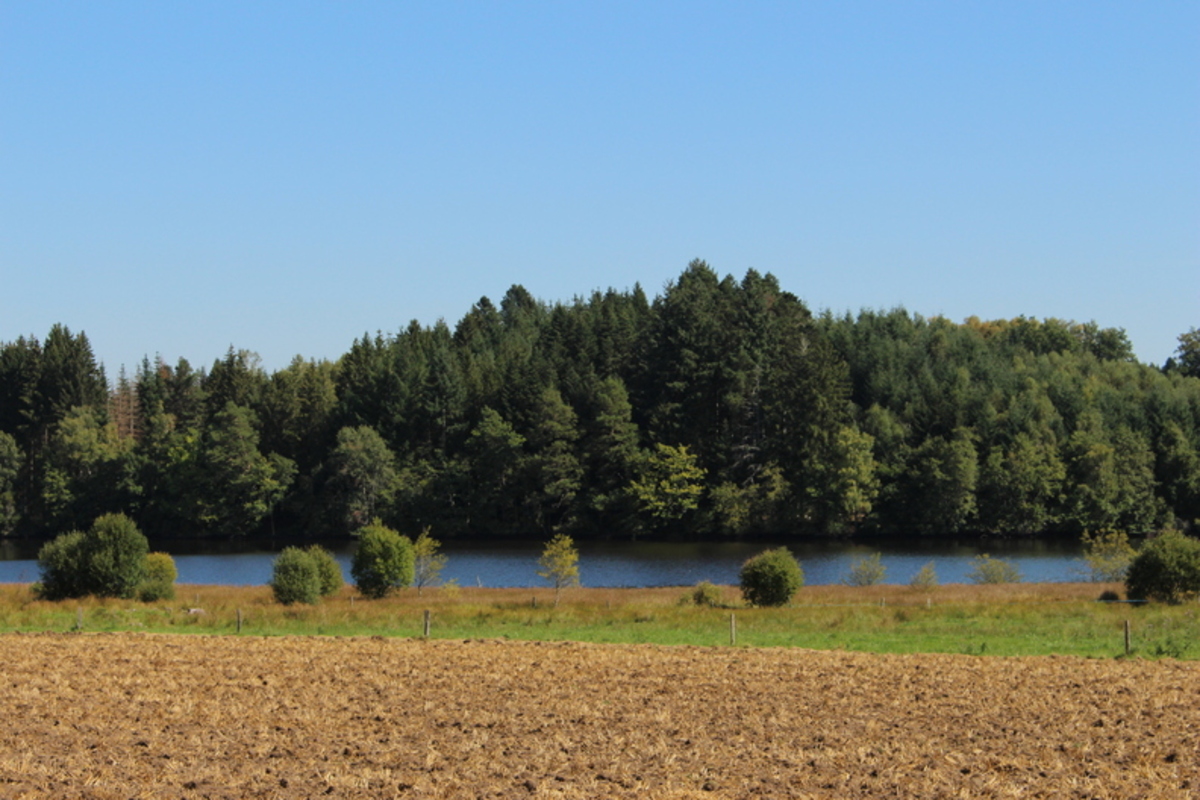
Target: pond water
(635, 564)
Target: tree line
(719, 408)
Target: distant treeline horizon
(721, 408)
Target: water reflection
(248, 563)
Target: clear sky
(179, 177)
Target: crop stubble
(133, 716)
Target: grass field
(1007, 620)
(117, 716)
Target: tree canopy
(719, 408)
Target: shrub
(926, 578)
(295, 577)
(704, 593)
(985, 569)
(116, 552)
(1108, 554)
(1109, 597)
(383, 561)
(62, 563)
(159, 583)
(771, 578)
(328, 570)
(866, 571)
(109, 560)
(1167, 569)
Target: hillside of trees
(720, 408)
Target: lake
(633, 564)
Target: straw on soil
(148, 716)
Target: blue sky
(176, 178)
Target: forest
(717, 409)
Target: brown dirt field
(146, 716)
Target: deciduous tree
(362, 476)
(670, 483)
(559, 564)
(428, 563)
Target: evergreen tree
(69, 377)
(20, 368)
(494, 453)
(611, 460)
(238, 379)
(10, 469)
(236, 486)
(553, 465)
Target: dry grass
(1013, 620)
(148, 716)
(228, 598)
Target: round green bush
(61, 561)
(116, 552)
(109, 560)
(161, 567)
(328, 569)
(384, 560)
(1167, 569)
(771, 578)
(295, 577)
(160, 578)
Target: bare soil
(155, 716)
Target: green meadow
(1005, 620)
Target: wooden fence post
(239, 624)
(426, 623)
(1128, 639)
(79, 618)
(732, 630)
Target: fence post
(239, 627)
(426, 623)
(1128, 639)
(732, 630)
(79, 618)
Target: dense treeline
(719, 408)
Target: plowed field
(133, 716)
